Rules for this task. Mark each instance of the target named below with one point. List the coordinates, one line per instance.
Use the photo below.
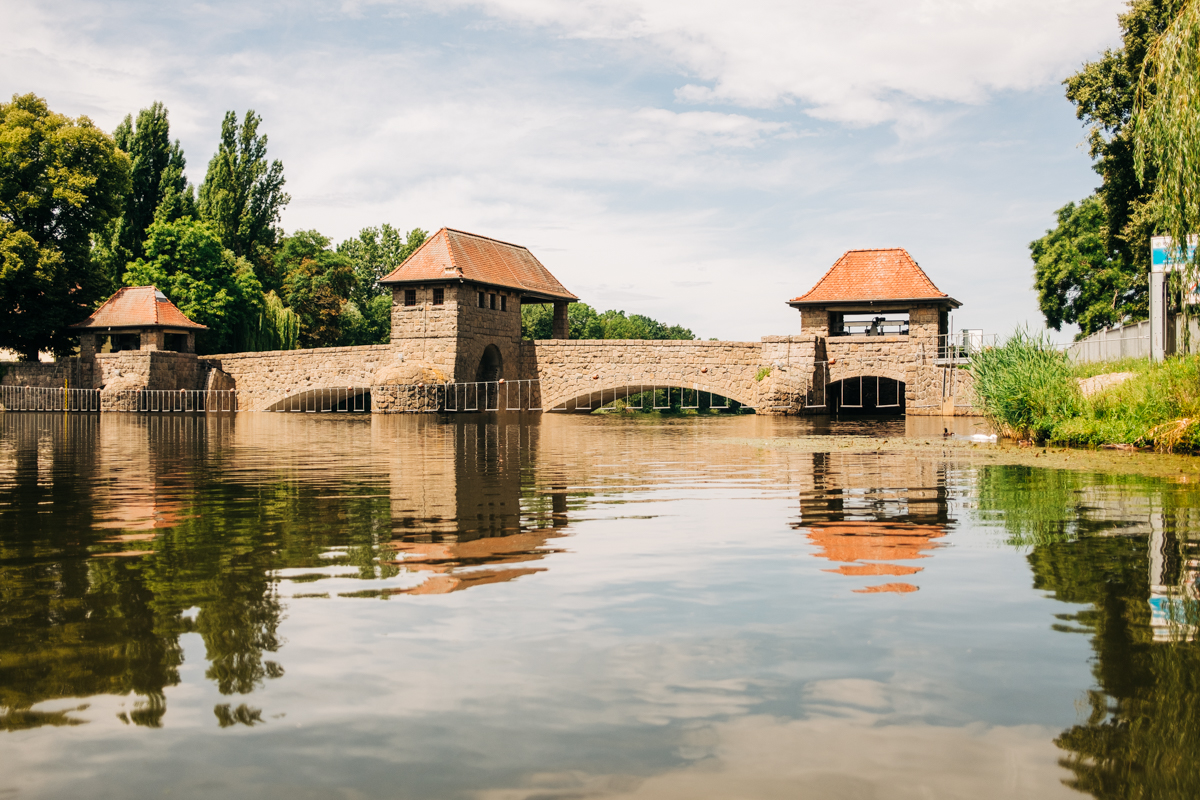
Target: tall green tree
(187, 262)
(1105, 94)
(1079, 280)
(61, 181)
(157, 178)
(317, 284)
(242, 195)
(1167, 126)
(374, 253)
(1092, 269)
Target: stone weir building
(872, 338)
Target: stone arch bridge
(776, 375)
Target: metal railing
(38, 398)
(517, 395)
(327, 400)
(960, 346)
(171, 401)
(634, 392)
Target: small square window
(504, 302)
(492, 301)
(482, 303)
(410, 297)
(439, 297)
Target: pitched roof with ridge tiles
(457, 255)
(138, 307)
(873, 276)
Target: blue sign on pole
(1164, 254)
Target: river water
(505, 608)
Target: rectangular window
(482, 304)
(504, 302)
(410, 297)
(439, 296)
(492, 302)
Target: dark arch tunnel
(862, 394)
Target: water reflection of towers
(464, 508)
(869, 511)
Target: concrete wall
(263, 379)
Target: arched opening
(491, 365)
(648, 397)
(865, 394)
(328, 400)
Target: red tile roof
(873, 276)
(458, 255)
(138, 307)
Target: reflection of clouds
(851, 755)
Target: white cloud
(854, 61)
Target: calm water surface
(577, 607)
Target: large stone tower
(456, 305)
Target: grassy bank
(1029, 390)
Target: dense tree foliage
(317, 283)
(367, 317)
(537, 322)
(1167, 125)
(61, 182)
(1104, 93)
(242, 195)
(212, 286)
(157, 180)
(1079, 280)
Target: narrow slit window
(410, 297)
(482, 301)
(439, 297)
(504, 302)
(492, 301)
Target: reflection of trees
(219, 527)
(1090, 538)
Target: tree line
(83, 212)
(1141, 103)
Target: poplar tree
(242, 195)
(156, 178)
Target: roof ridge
(487, 238)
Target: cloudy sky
(699, 161)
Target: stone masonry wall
(263, 379)
(43, 375)
(452, 335)
(588, 373)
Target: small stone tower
(138, 339)
(456, 305)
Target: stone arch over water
(865, 394)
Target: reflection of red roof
(457, 255)
(873, 276)
(138, 307)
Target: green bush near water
(1025, 386)
(1028, 390)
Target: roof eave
(945, 300)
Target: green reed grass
(1025, 386)
(1028, 390)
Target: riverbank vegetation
(1029, 390)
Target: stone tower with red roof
(456, 305)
